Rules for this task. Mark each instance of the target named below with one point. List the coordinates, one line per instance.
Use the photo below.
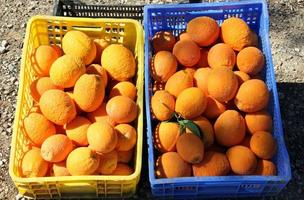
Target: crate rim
(152, 178)
(17, 179)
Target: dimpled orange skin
(229, 128)
(163, 65)
(266, 168)
(60, 169)
(100, 114)
(45, 56)
(252, 96)
(76, 130)
(203, 61)
(124, 88)
(222, 84)
(184, 36)
(40, 85)
(108, 163)
(246, 141)
(162, 105)
(38, 128)
(165, 136)
(263, 145)
(221, 55)
(163, 41)
(201, 79)
(77, 43)
(98, 70)
(33, 165)
(242, 160)
(250, 60)
(213, 164)
(171, 165)
(191, 103)
(203, 30)
(125, 156)
(102, 137)
(126, 137)
(206, 130)
(122, 170)
(82, 161)
(214, 108)
(258, 121)
(241, 76)
(122, 109)
(89, 92)
(187, 53)
(123, 67)
(56, 148)
(236, 33)
(190, 147)
(178, 82)
(57, 107)
(100, 44)
(66, 70)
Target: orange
(203, 30)
(189, 70)
(66, 70)
(229, 128)
(122, 109)
(171, 165)
(178, 82)
(56, 148)
(236, 33)
(125, 156)
(201, 79)
(246, 141)
(40, 85)
(58, 49)
(100, 114)
(242, 77)
(82, 161)
(76, 130)
(98, 70)
(184, 36)
(89, 92)
(124, 88)
(60, 169)
(38, 128)
(222, 84)
(250, 60)
(122, 170)
(266, 168)
(214, 108)
(33, 165)
(163, 65)
(213, 164)
(191, 103)
(190, 147)
(35, 109)
(102, 137)
(126, 137)
(166, 135)
(242, 160)
(263, 144)
(252, 96)
(57, 107)
(123, 67)
(77, 43)
(206, 130)
(203, 61)
(44, 57)
(187, 53)
(108, 163)
(100, 44)
(221, 55)
(163, 41)
(258, 121)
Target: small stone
(23, 25)
(297, 49)
(4, 43)
(10, 26)
(2, 50)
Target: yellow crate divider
(50, 30)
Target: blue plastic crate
(174, 18)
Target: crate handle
(75, 184)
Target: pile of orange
(207, 75)
(83, 118)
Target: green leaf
(193, 127)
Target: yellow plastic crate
(50, 30)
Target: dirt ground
(287, 40)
